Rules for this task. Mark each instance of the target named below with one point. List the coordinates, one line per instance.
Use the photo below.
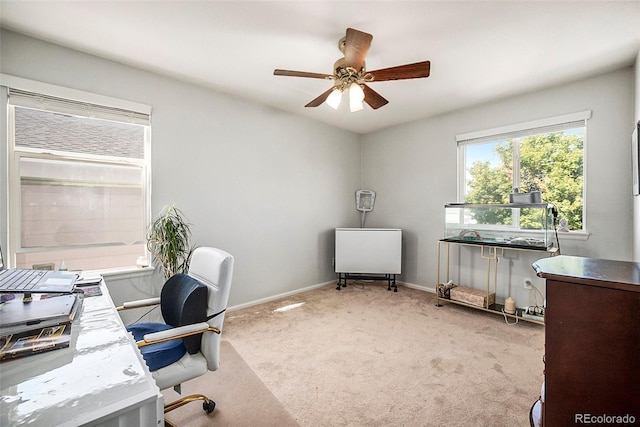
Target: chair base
(208, 405)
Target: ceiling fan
(350, 74)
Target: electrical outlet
(527, 283)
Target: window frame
(547, 125)
(15, 154)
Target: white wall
(270, 187)
(267, 186)
(413, 169)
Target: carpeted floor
(241, 398)
(363, 356)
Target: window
(78, 186)
(545, 156)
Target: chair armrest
(175, 333)
(139, 303)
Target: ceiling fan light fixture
(355, 106)
(356, 96)
(334, 98)
(350, 74)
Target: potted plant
(168, 242)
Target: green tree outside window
(551, 163)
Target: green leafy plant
(168, 242)
(551, 163)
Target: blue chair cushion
(161, 354)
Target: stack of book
(28, 328)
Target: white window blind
(555, 124)
(39, 101)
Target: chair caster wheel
(209, 406)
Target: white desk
(101, 379)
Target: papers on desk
(91, 291)
(89, 284)
(44, 324)
(88, 279)
(18, 316)
(35, 341)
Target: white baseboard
(319, 285)
(279, 296)
(418, 287)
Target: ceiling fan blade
(373, 98)
(319, 100)
(401, 72)
(291, 73)
(356, 47)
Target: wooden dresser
(592, 341)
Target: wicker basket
(472, 296)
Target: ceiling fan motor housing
(347, 75)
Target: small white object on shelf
(510, 306)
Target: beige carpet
(241, 398)
(363, 356)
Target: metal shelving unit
(491, 254)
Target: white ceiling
(479, 50)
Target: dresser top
(623, 275)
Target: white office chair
(187, 318)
